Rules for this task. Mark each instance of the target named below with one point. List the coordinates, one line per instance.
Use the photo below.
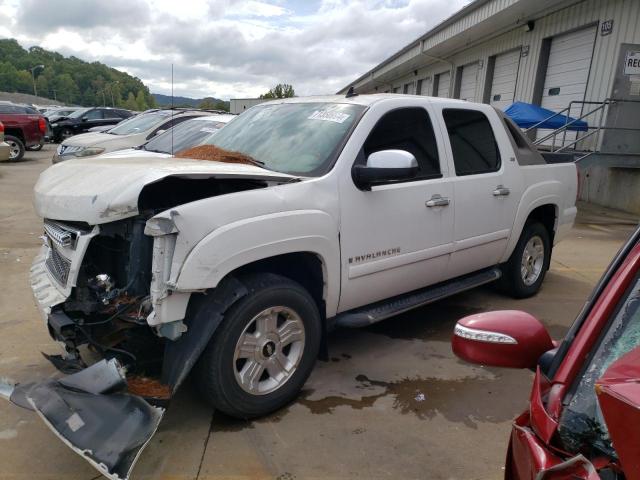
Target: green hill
(211, 102)
(69, 79)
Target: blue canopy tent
(526, 115)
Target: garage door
(505, 76)
(423, 87)
(568, 73)
(469, 82)
(443, 85)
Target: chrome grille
(60, 234)
(58, 265)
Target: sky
(227, 48)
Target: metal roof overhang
(451, 36)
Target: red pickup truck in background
(24, 128)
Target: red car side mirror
(504, 338)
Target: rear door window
(473, 143)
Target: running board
(363, 316)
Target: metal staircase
(581, 144)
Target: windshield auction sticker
(336, 117)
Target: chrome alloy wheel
(14, 149)
(532, 260)
(269, 350)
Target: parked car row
(132, 132)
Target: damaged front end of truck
(105, 287)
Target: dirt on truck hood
(102, 190)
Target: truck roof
(366, 100)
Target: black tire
(215, 373)
(513, 280)
(65, 133)
(17, 148)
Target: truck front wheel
(523, 274)
(263, 352)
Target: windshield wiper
(258, 163)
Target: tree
(43, 86)
(89, 98)
(8, 75)
(208, 103)
(282, 90)
(24, 82)
(66, 78)
(141, 102)
(222, 105)
(66, 89)
(131, 104)
(114, 89)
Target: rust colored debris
(215, 154)
(148, 387)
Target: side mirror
(385, 166)
(504, 338)
(84, 119)
(158, 132)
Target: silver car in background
(130, 133)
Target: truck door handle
(501, 191)
(437, 201)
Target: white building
(239, 105)
(545, 52)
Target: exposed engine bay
(107, 311)
(108, 307)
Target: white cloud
(228, 48)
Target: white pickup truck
(317, 212)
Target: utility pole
(33, 77)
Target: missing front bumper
(91, 412)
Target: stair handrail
(567, 124)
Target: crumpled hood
(101, 190)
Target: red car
(583, 420)
(24, 128)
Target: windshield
(184, 135)
(295, 138)
(141, 123)
(582, 427)
(79, 113)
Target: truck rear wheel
(16, 147)
(263, 352)
(524, 272)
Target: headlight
(88, 152)
(54, 125)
